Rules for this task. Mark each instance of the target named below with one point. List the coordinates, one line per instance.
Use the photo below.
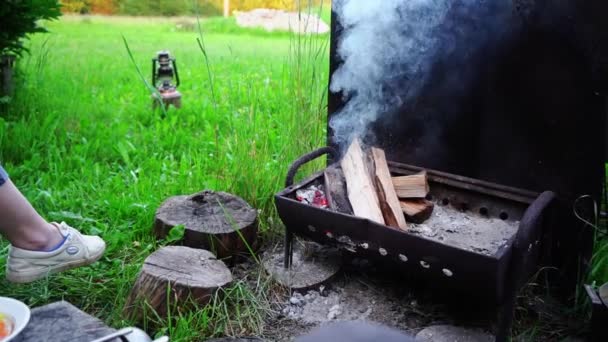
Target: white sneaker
(24, 266)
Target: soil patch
(354, 296)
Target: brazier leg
(288, 248)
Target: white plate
(18, 311)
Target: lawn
(82, 143)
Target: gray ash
(466, 230)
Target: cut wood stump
(312, 265)
(217, 221)
(178, 275)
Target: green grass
(82, 143)
(598, 274)
(599, 270)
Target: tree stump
(177, 275)
(217, 221)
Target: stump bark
(217, 221)
(176, 277)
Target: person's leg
(21, 224)
(39, 248)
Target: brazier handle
(293, 169)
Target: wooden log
(335, 190)
(217, 221)
(389, 203)
(176, 275)
(359, 184)
(417, 210)
(414, 186)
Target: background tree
(226, 8)
(103, 6)
(20, 18)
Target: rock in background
(280, 20)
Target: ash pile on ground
(366, 290)
(279, 20)
(351, 297)
(319, 306)
(466, 230)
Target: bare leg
(21, 224)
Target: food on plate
(6, 325)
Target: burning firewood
(389, 203)
(369, 186)
(417, 210)
(335, 190)
(414, 186)
(360, 185)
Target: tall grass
(81, 141)
(599, 271)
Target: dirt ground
(358, 293)
(363, 291)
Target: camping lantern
(164, 69)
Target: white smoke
(401, 40)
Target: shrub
(89, 6)
(74, 6)
(20, 18)
(102, 6)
